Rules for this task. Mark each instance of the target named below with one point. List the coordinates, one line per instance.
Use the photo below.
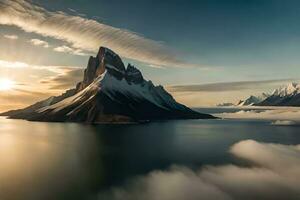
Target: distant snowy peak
(253, 100)
(287, 90)
(288, 95)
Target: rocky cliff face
(109, 93)
(106, 59)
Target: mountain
(288, 95)
(252, 100)
(109, 93)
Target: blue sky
(206, 41)
(229, 33)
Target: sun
(6, 84)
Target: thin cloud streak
(67, 49)
(51, 68)
(227, 86)
(8, 64)
(87, 34)
(11, 37)
(64, 80)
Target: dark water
(75, 161)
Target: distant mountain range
(288, 95)
(109, 93)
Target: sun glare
(6, 84)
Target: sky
(204, 52)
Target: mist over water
(77, 161)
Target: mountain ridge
(288, 95)
(108, 93)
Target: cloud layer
(281, 115)
(273, 174)
(64, 80)
(35, 82)
(86, 34)
(226, 86)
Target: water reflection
(47, 161)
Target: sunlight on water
(39, 156)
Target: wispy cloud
(227, 86)
(35, 82)
(87, 34)
(51, 68)
(156, 66)
(55, 76)
(273, 173)
(67, 49)
(11, 37)
(8, 64)
(38, 42)
(65, 80)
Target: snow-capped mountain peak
(287, 90)
(287, 95)
(110, 92)
(253, 100)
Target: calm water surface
(75, 161)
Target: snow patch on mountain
(77, 97)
